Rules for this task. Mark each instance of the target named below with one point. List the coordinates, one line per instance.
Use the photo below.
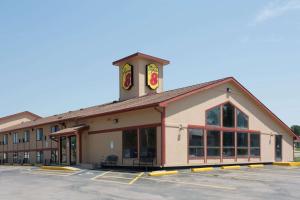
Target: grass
(297, 159)
(297, 149)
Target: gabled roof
(115, 107)
(19, 114)
(70, 130)
(151, 100)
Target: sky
(56, 56)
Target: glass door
(278, 147)
(73, 150)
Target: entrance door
(73, 150)
(278, 147)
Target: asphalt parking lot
(270, 182)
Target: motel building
(213, 123)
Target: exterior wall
(97, 146)
(191, 111)
(139, 87)
(45, 145)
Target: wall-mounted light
(116, 121)
(228, 90)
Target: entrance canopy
(68, 131)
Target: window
(130, 144)
(54, 156)
(228, 144)
(26, 157)
(228, 115)
(213, 143)
(148, 142)
(26, 136)
(196, 143)
(54, 128)
(255, 144)
(242, 119)
(213, 116)
(5, 157)
(5, 139)
(15, 157)
(39, 134)
(15, 138)
(242, 144)
(39, 156)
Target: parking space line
(105, 180)
(193, 184)
(136, 178)
(48, 173)
(94, 178)
(118, 177)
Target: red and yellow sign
(127, 76)
(152, 76)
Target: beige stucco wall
(191, 111)
(139, 87)
(44, 145)
(96, 147)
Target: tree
(296, 129)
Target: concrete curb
(289, 164)
(256, 166)
(204, 169)
(163, 173)
(61, 168)
(231, 167)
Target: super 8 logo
(152, 76)
(127, 76)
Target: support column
(78, 148)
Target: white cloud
(275, 9)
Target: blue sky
(56, 56)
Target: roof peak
(141, 55)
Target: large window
(213, 143)
(130, 144)
(228, 115)
(39, 134)
(26, 157)
(196, 143)
(15, 138)
(242, 144)
(242, 120)
(255, 144)
(39, 156)
(54, 128)
(228, 144)
(5, 157)
(232, 125)
(15, 157)
(5, 139)
(148, 142)
(26, 136)
(213, 116)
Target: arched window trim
(221, 116)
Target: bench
(110, 160)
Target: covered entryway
(69, 144)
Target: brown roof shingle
(119, 106)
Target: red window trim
(222, 129)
